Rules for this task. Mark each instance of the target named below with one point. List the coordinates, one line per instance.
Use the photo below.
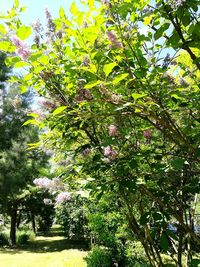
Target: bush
(23, 236)
(71, 216)
(3, 239)
(135, 255)
(99, 257)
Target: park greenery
(109, 105)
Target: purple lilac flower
(22, 48)
(16, 41)
(51, 185)
(50, 24)
(23, 53)
(176, 3)
(113, 39)
(112, 129)
(166, 61)
(37, 26)
(110, 153)
(147, 134)
(47, 13)
(44, 183)
(63, 197)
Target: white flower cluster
(54, 186)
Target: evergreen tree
(18, 165)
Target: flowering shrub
(53, 186)
(63, 197)
(71, 216)
(112, 130)
(22, 48)
(111, 64)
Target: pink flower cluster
(112, 130)
(47, 184)
(110, 153)
(147, 134)
(113, 39)
(43, 183)
(22, 48)
(63, 197)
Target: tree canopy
(121, 106)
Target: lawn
(45, 251)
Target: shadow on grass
(52, 241)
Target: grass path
(45, 251)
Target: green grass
(45, 251)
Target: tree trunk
(155, 260)
(33, 222)
(180, 247)
(13, 225)
(19, 219)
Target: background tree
(18, 165)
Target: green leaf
(176, 96)
(10, 61)
(92, 84)
(30, 122)
(74, 9)
(59, 110)
(137, 96)
(34, 115)
(164, 243)
(185, 17)
(61, 12)
(21, 64)
(24, 32)
(44, 59)
(148, 19)
(4, 46)
(16, 3)
(157, 216)
(91, 3)
(2, 29)
(178, 163)
(23, 89)
(172, 234)
(35, 56)
(174, 40)
(119, 78)
(34, 145)
(159, 33)
(109, 67)
(145, 218)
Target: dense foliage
(71, 216)
(121, 108)
(18, 165)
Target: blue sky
(35, 8)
